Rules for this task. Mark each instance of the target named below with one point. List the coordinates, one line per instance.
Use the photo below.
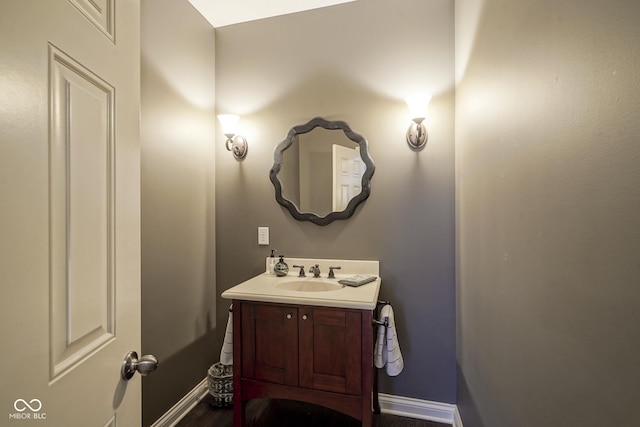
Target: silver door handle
(145, 365)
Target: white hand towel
(387, 350)
(226, 354)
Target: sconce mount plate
(238, 146)
(417, 136)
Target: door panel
(69, 179)
(81, 212)
(270, 343)
(100, 12)
(330, 350)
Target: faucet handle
(331, 274)
(301, 267)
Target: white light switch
(263, 235)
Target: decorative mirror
(322, 171)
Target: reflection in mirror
(322, 171)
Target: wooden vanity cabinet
(320, 355)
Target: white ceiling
(226, 12)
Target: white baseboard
(416, 408)
(445, 413)
(457, 421)
(182, 408)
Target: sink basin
(309, 286)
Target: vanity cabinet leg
(238, 402)
(376, 402)
(238, 413)
(369, 380)
(367, 419)
(369, 400)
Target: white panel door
(70, 211)
(347, 175)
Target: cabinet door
(270, 343)
(330, 349)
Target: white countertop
(269, 288)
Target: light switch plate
(263, 236)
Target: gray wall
(548, 208)
(177, 186)
(354, 62)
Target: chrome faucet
(331, 274)
(315, 270)
(301, 267)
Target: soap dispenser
(272, 262)
(281, 268)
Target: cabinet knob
(289, 316)
(304, 317)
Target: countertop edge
(300, 301)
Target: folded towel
(226, 354)
(357, 280)
(387, 350)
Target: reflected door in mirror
(347, 175)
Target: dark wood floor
(287, 413)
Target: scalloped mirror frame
(366, 177)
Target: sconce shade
(418, 105)
(229, 124)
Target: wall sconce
(237, 144)
(417, 133)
